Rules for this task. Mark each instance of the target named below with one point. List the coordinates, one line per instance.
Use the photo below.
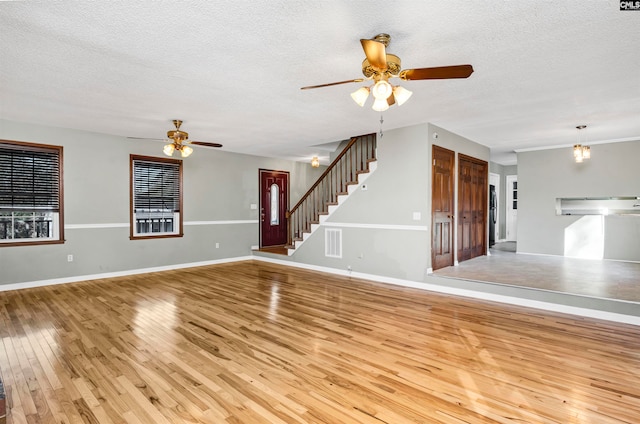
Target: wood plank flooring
(252, 342)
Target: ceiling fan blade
(442, 72)
(376, 54)
(145, 138)
(204, 143)
(332, 83)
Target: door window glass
(275, 210)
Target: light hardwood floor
(252, 342)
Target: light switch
(416, 216)
(254, 206)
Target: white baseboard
(546, 306)
(553, 307)
(75, 279)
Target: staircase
(348, 170)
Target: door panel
(472, 207)
(442, 207)
(274, 203)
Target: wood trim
(179, 162)
(45, 148)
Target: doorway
(442, 207)
(512, 207)
(274, 203)
(472, 207)
(494, 208)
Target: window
(156, 197)
(30, 194)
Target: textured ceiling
(232, 70)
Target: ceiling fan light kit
(379, 66)
(169, 149)
(380, 105)
(178, 140)
(382, 90)
(360, 96)
(401, 94)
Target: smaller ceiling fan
(179, 141)
(379, 66)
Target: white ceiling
(232, 70)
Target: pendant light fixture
(580, 151)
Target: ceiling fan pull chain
(381, 121)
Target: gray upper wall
(380, 235)
(218, 187)
(545, 175)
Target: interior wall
(219, 189)
(545, 175)
(386, 229)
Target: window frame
(132, 215)
(58, 233)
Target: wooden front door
(442, 207)
(472, 207)
(274, 202)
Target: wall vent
(333, 242)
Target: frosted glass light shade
(401, 95)
(186, 151)
(380, 105)
(382, 90)
(360, 95)
(315, 162)
(169, 149)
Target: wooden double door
(472, 177)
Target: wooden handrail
(323, 192)
(324, 174)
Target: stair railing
(334, 181)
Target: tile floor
(602, 279)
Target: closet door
(472, 207)
(442, 212)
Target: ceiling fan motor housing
(393, 67)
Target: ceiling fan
(379, 66)
(179, 141)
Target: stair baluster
(343, 172)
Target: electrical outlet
(217, 245)
(349, 269)
(69, 258)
